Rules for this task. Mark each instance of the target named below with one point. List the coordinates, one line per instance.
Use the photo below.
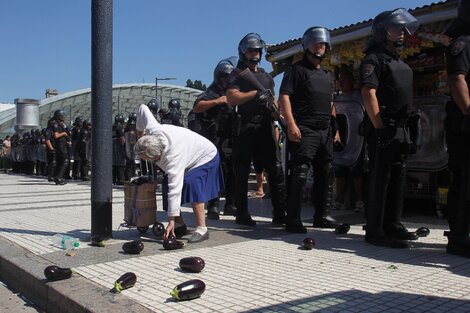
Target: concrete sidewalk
(257, 269)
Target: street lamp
(156, 85)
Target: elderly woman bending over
(191, 163)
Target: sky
(47, 44)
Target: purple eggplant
(192, 264)
(422, 232)
(342, 229)
(172, 244)
(133, 247)
(125, 281)
(308, 243)
(54, 273)
(188, 290)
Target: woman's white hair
(151, 146)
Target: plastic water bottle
(65, 242)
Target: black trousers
(257, 140)
(458, 198)
(386, 186)
(316, 149)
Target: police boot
(60, 174)
(459, 217)
(278, 193)
(213, 209)
(296, 183)
(323, 197)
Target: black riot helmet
(314, 35)
(223, 70)
(132, 119)
(174, 104)
(396, 18)
(154, 105)
(78, 121)
(250, 42)
(119, 119)
(460, 25)
(86, 123)
(59, 115)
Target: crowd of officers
(56, 151)
(239, 114)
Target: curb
(24, 271)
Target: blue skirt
(203, 183)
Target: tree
(196, 85)
(189, 83)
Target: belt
(320, 124)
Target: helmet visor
(316, 35)
(401, 18)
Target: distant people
(173, 115)
(306, 98)
(5, 153)
(191, 163)
(254, 135)
(119, 150)
(355, 172)
(76, 129)
(458, 131)
(84, 150)
(61, 135)
(387, 90)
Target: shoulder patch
(457, 47)
(367, 70)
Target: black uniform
(74, 150)
(388, 147)
(61, 150)
(310, 91)
(173, 117)
(254, 138)
(216, 125)
(83, 147)
(51, 153)
(458, 146)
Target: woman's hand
(170, 229)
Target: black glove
(384, 136)
(334, 125)
(263, 97)
(141, 180)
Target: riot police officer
(306, 97)
(173, 116)
(154, 106)
(119, 150)
(253, 130)
(50, 151)
(387, 90)
(214, 116)
(84, 150)
(458, 132)
(61, 136)
(74, 157)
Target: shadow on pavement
(361, 301)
